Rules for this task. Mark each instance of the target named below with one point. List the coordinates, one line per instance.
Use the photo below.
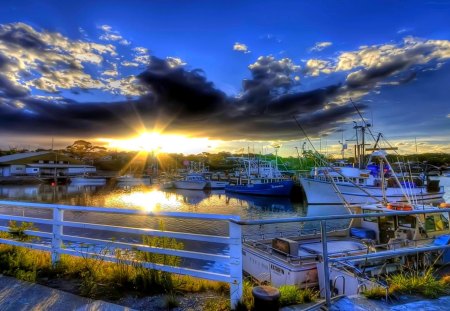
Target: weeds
(218, 304)
(376, 293)
(414, 283)
(17, 232)
(171, 301)
(291, 294)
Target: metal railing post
(236, 283)
(326, 268)
(58, 215)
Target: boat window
(370, 219)
(436, 222)
(407, 221)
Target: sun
(157, 142)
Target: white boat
(133, 180)
(191, 181)
(361, 186)
(88, 180)
(288, 258)
(217, 184)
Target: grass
(376, 293)
(425, 284)
(291, 295)
(171, 301)
(96, 277)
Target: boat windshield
(407, 221)
(436, 222)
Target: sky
(196, 76)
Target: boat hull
(88, 181)
(217, 184)
(130, 181)
(279, 188)
(323, 192)
(265, 268)
(189, 185)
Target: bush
(414, 283)
(377, 293)
(290, 295)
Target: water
(150, 199)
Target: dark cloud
(185, 100)
(270, 77)
(178, 91)
(22, 36)
(11, 90)
(367, 78)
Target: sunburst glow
(147, 200)
(156, 142)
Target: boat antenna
(304, 133)
(363, 120)
(331, 167)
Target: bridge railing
(232, 261)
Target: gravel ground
(189, 302)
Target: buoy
(399, 206)
(444, 205)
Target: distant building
(43, 163)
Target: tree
(84, 150)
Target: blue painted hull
(279, 188)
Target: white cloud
(175, 62)
(128, 86)
(241, 47)
(316, 66)
(319, 46)
(49, 61)
(111, 72)
(106, 28)
(124, 42)
(112, 35)
(140, 50)
(141, 55)
(142, 59)
(129, 64)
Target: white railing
(232, 261)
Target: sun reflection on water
(152, 200)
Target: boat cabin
(390, 229)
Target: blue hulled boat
(259, 177)
(274, 188)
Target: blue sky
(89, 69)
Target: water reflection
(263, 204)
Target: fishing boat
(372, 184)
(216, 184)
(192, 181)
(132, 180)
(259, 177)
(295, 257)
(88, 180)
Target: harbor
(224, 155)
(261, 217)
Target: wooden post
(58, 215)
(236, 286)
